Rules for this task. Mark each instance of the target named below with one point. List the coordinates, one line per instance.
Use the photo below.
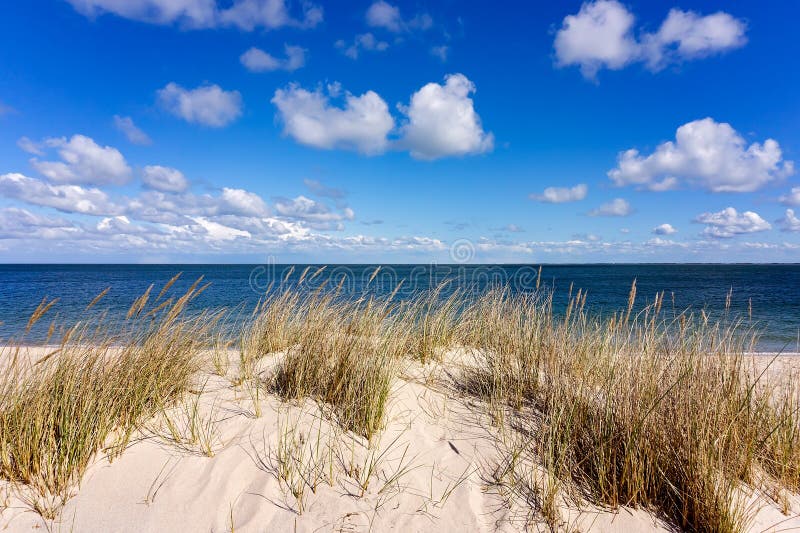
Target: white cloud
(586, 237)
(309, 117)
(220, 232)
(30, 146)
(790, 222)
(315, 214)
(558, 195)
(442, 121)
(687, 35)
(728, 223)
(193, 13)
(793, 198)
(21, 223)
(664, 229)
(243, 203)
(257, 60)
(131, 131)
(235, 221)
(364, 41)
(208, 105)
(617, 207)
(601, 35)
(658, 242)
(382, 14)
(243, 14)
(177, 209)
(170, 208)
(115, 224)
(83, 161)
(441, 52)
(66, 198)
(269, 14)
(708, 155)
(598, 36)
(164, 179)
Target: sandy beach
(433, 468)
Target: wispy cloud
(246, 15)
(618, 207)
(131, 131)
(560, 195)
(257, 60)
(382, 14)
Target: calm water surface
(772, 292)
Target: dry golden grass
(345, 354)
(91, 393)
(643, 410)
(651, 409)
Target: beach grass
(660, 412)
(345, 354)
(92, 392)
(643, 408)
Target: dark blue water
(765, 295)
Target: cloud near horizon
(730, 223)
(664, 229)
(165, 214)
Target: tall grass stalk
(345, 354)
(92, 393)
(639, 409)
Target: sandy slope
(434, 465)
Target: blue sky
(375, 131)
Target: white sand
(436, 457)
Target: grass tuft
(91, 393)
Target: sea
(764, 297)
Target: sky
(224, 131)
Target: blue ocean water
(766, 296)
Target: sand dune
(433, 468)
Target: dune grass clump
(645, 410)
(433, 322)
(346, 354)
(91, 393)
